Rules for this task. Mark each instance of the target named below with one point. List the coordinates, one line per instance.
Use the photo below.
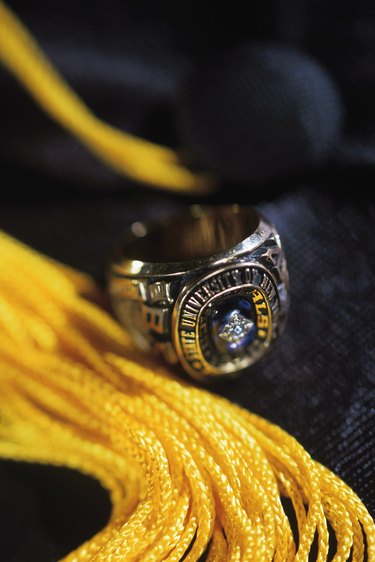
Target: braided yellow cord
(187, 471)
(134, 157)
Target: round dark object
(260, 112)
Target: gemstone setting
(237, 328)
(232, 323)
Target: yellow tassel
(136, 158)
(188, 472)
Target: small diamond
(237, 328)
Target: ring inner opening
(190, 237)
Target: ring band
(207, 288)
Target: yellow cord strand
(188, 472)
(134, 157)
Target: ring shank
(164, 272)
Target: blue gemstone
(233, 324)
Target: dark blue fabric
(165, 71)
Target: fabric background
(151, 70)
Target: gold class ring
(207, 288)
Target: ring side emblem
(224, 322)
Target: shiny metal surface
(172, 283)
